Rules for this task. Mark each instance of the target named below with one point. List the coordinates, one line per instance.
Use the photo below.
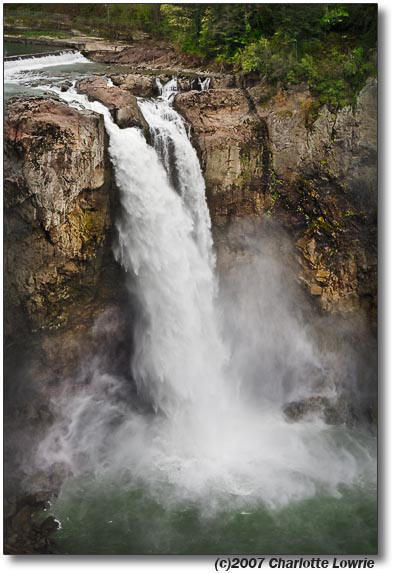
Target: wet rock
(121, 103)
(27, 531)
(333, 412)
(49, 525)
(65, 86)
(138, 84)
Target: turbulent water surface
(213, 466)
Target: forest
(330, 47)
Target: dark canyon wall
(59, 202)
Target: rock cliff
(58, 203)
(316, 176)
(324, 190)
(232, 143)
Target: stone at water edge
(121, 103)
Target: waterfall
(180, 160)
(204, 84)
(165, 245)
(206, 435)
(168, 90)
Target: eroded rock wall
(233, 147)
(324, 190)
(58, 203)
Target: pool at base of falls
(108, 518)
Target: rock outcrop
(333, 411)
(58, 198)
(233, 146)
(314, 174)
(324, 190)
(26, 530)
(121, 103)
(139, 85)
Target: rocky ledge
(121, 103)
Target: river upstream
(213, 466)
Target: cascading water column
(165, 244)
(172, 144)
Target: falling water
(180, 160)
(204, 84)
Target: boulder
(334, 412)
(121, 103)
(138, 84)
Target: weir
(39, 55)
(19, 70)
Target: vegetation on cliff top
(331, 47)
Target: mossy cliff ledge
(58, 201)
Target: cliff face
(324, 190)
(58, 201)
(233, 146)
(317, 179)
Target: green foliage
(330, 52)
(334, 17)
(268, 58)
(336, 77)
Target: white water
(24, 69)
(204, 84)
(180, 160)
(207, 441)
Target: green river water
(106, 518)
